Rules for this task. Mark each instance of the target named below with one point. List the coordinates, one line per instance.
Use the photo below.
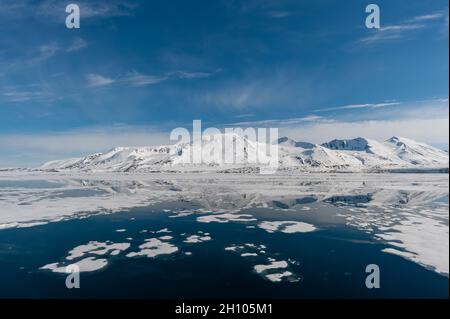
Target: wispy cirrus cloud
(255, 90)
(25, 93)
(97, 80)
(399, 107)
(270, 8)
(239, 116)
(32, 56)
(55, 9)
(402, 29)
(107, 9)
(188, 75)
(358, 106)
(11, 6)
(21, 96)
(77, 44)
(137, 79)
(45, 52)
(279, 14)
(282, 122)
(390, 32)
(429, 17)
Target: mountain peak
(287, 141)
(356, 144)
(399, 141)
(395, 139)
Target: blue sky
(137, 69)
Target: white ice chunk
(288, 227)
(154, 247)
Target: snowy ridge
(353, 155)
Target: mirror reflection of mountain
(408, 212)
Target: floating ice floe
(275, 271)
(421, 240)
(273, 265)
(225, 218)
(278, 277)
(419, 235)
(88, 263)
(97, 248)
(243, 249)
(182, 213)
(84, 265)
(154, 247)
(288, 227)
(164, 230)
(195, 239)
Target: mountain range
(396, 154)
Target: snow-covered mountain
(397, 150)
(354, 155)
(417, 153)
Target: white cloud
(244, 115)
(257, 91)
(10, 6)
(359, 106)
(428, 17)
(188, 75)
(77, 44)
(432, 131)
(137, 79)
(282, 122)
(21, 96)
(107, 9)
(279, 14)
(398, 31)
(97, 80)
(45, 52)
(32, 56)
(25, 93)
(55, 9)
(390, 32)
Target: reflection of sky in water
(408, 214)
